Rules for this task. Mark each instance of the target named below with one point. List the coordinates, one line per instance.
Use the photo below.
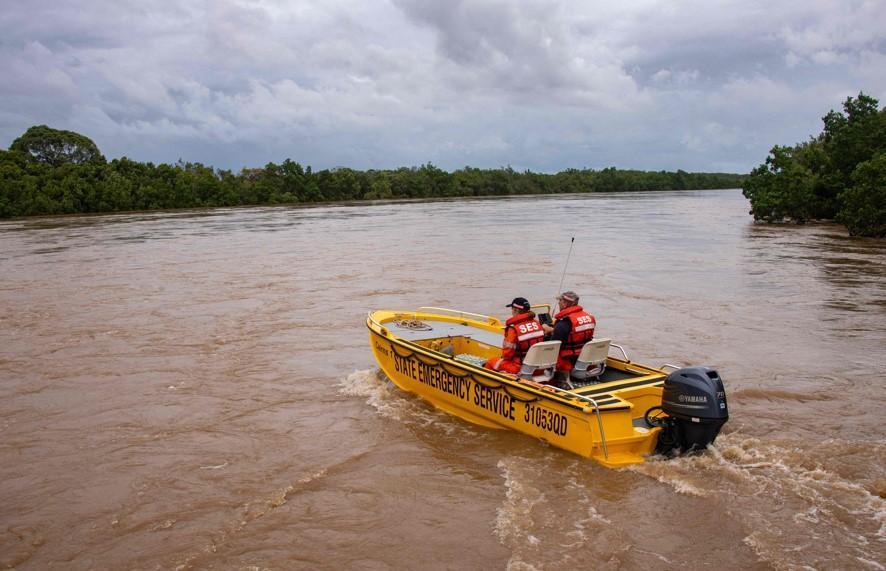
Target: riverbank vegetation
(48, 171)
(838, 175)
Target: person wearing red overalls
(573, 327)
(522, 331)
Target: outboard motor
(695, 403)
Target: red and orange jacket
(581, 330)
(521, 332)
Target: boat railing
(623, 352)
(596, 411)
(669, 366)
(458, 313)
(377, 324)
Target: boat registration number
(546, 419)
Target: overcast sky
(701, 85)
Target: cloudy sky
(702, 85)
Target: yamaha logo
(691, 398)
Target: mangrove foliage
(47, 171)
(838, 175)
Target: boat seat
(591, 362)
(540, 362)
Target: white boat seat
(540, 362)
(591, 362)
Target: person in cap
(522, 331)
(573, 327)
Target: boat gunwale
(583, 403)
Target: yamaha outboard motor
(695, 403)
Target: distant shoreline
(348, 203)
(48, 171)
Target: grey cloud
(541, 84)
(528, 51)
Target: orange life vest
(583, 325)
(521, 332)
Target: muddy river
(195, 390)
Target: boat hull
(606, 433)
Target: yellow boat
(618, 415)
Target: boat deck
(606, 392)
(429, 329)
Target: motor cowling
(695, 401)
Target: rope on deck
(413, 325)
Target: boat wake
(391, 402)
(787, 491)
(788, 504)
(379, 393)
(554, 527)
(788, 500)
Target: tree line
(48, 171)
(838, 175)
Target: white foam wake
(815, 502)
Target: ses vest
(583, 325)
(527, 331)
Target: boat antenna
(566, 265)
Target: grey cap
(569, 296)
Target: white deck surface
(444, 329)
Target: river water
(195, 390)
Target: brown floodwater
(195, 390)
